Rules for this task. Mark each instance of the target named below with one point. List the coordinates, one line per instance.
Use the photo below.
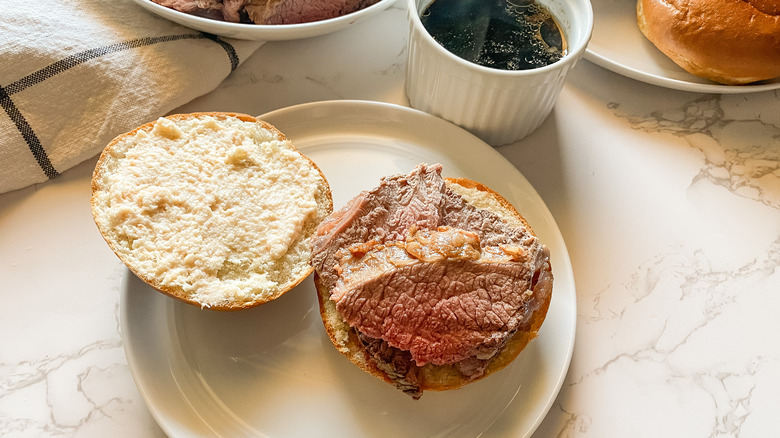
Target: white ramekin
(499, 106)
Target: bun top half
(214, 209)
(727, 41)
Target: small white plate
(257, 32)
(618, 45)
(272, 371)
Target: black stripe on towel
(229, 49)
(28, 134)
(82, 57)
(71, 61)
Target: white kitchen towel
(76, 73)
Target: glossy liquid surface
(501, 34)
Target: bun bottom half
(443, 377)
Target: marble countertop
(669, 203)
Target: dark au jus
(501, 34)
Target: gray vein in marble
(246, 76)
(572, 422)
(729, 382)
(681, 305)
(62, 380)
(741, 148)
(325, 84)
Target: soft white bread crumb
(215, 209)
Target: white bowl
(499, 106)
(261, 32)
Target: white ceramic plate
(618, 45)
(272, 371)
(258, 32)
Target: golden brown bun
(185, 203)
(727, 41)
(445, 377)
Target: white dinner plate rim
(564, 274)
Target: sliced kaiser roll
(731, 42)
(214, 209)
(531, 296)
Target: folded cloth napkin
(76, 73)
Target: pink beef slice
(442, 311)
(385, 213)
(268, 11)
(231, 9)
(203, 8)
(190, 5)
(301, 11)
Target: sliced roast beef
(442, 311)
(386, 213)
(267, 11)
(301, 11)
(397, 364)
(201, 8)
(413, 267)
(190, 5)
(231, 9)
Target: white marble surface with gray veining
(669, 203)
